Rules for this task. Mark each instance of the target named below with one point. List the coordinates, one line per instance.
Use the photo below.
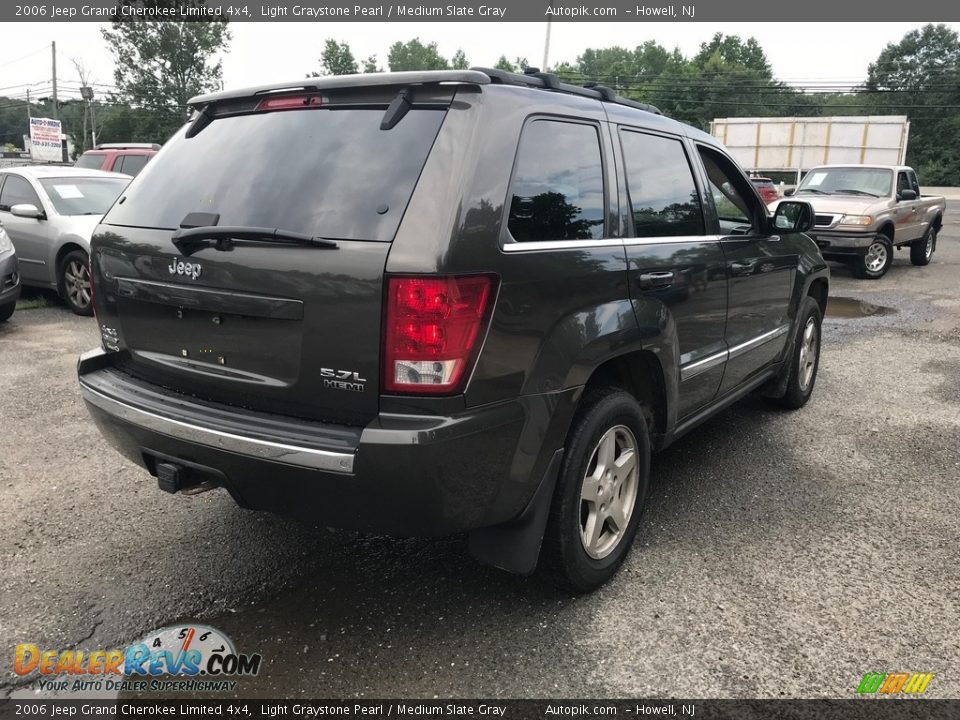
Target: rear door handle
(652, 280)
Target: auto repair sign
(45, 140)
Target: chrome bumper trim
(261, 449)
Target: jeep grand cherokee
(438, 302)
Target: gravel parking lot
(781, 554)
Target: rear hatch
(282, 311)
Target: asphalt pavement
(780, 555)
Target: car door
(761, 271)
(906, 215)
(675, 268)
(31, 237)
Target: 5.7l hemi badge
(187, 269)
(342, 380)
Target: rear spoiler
(416, 77)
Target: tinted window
(557, 190)
(325, 172)
(131, 164)
(17, 191)
(89, 161)
(83, 196)
(731, 194)
(663, 197)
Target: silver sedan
(50, 214)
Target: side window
(557, 188)
(118, 163)
(132, 164)
(664, 200)
(15, 191)
(903, 182)
(733, 198)
(913, 182)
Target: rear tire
(921, 251)
(7, 310)
(601, 490)
(74, 282)
(805, 358)
(874, 264)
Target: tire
(7, 310)
(610, 422)
(74, 282)
(805, 358)
(874, 263)
(921, 252)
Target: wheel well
(886, 230)
(938, 222)
(818, 291)
(61, 254)
(640, 374)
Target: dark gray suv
(439, 302)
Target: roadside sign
(45, 140)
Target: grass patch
(33, 303)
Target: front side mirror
(908, 194)
(793, 216)
(27, 210)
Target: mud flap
(515, 546)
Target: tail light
(433, 329)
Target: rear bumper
(401, 474)
(9, 278)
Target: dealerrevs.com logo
(191, 657)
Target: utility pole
(56, 111)
(546, 48)
(28, 106)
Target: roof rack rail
(533, 78)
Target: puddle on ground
(844, 307)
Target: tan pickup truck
(863, 212)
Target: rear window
(83, 196)
(326, 172)
(90, 161)
(130, 164)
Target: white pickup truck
(863, 212)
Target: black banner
(853, 709)
(629, 11)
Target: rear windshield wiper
(191, 239)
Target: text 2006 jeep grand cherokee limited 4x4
(438, 302)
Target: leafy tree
(160, 65)
(459, 60)
(918, 77)
(414, 55)
(337, 59)
(370, 65)
(731, 51)
(504, 64)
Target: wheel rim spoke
(608, 491)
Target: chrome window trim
(671, 239)
(561, 244)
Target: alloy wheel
(609, 491)
(808, 354)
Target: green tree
(459, 60)
(920, 77)
(504, 64)
(370, 65)
(160, 65)
(337, 59)
(414, 55)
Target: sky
(266, 52)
